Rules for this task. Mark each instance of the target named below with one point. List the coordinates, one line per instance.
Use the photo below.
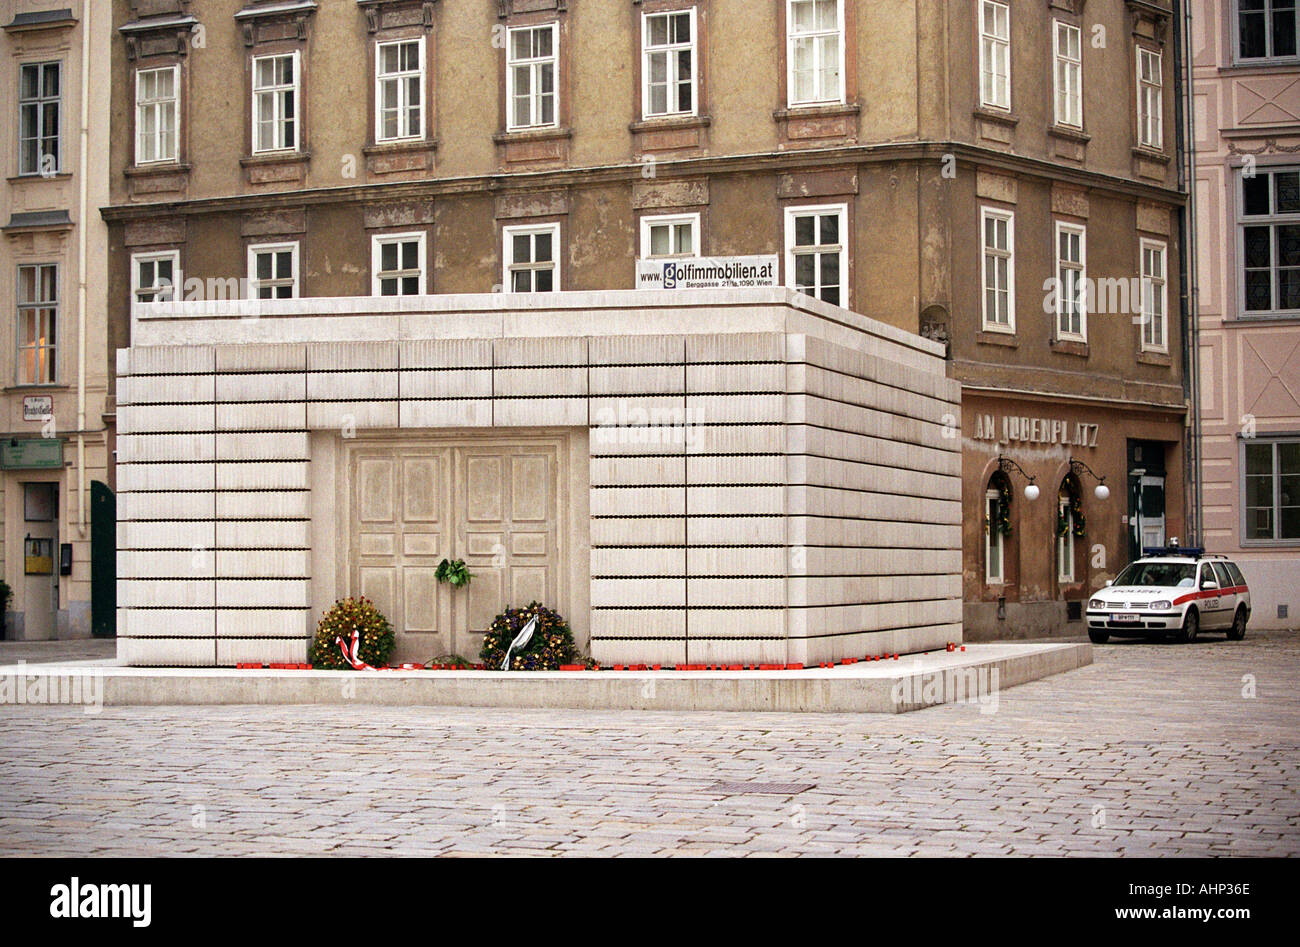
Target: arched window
(997, 527)
(1069, 526)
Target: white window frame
(991, 45)
(535, 66)
(1080, 267)
(669, 220)
(49, 350)
(821, 210)
(159, 106)
(278, 118)
(1009, 254)
(40, 102)
(377, 275)
(1067, 77)
(792, 38)
(1065, 543)
(161, 295)
(1150, 101)
(255, 285)
(672, 51)
(401, 77)
(508, 265)
(1159, 285)
(993, 539)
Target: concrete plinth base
(977, 675)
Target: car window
(1237, 577)
(1158, 573)
(1224, 580)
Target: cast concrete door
(494, 504)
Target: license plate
(1125, 617)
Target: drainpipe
(1187, 264)
(83, 182)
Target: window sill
(1163, 359)
(1266, 318)
(1260, 67)
(276, 167)
(996, 337)
(155, 168)
(1147, 153)
(389, 157)
(995, 125)
(656, 122)
(682, 134)
(1074, 347)
(534, 145)
(818, 124)
(1069, 133)
(42, 386)
(30, 178)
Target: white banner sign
(723, 272)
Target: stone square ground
(1155, 749)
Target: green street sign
(31, 453)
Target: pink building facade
(1246, 114)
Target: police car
(1172, 591)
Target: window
(1272, 487)
(815, 53)
(1266, 29)
(530, 76)
(1270, 241)
(1071, 295)
(40, 104)
(155, 114)
(38, 318)
(995, 55)
(1150, 103)
(1238, 580)
(1065, 540)
(273, 271)
(397, 264)
(668, 66)
(153, 276)
(1067, 75)
(275, 103)
(530, 255)
(994, 540)
(998, 234)
(399, 90)
(670, 236)
(816, 251)
(1155, 293)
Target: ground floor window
(1069, 525)
(996, 528)
(531, 259)
(816, 252)
(273, 270)
(1272, 490)
(153, 276)
(397, 264)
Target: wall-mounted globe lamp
(1078, 468)
(1006, 465)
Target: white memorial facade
(735, 476)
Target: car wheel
(1098, 637)
(1238, 629)
(1191, 627)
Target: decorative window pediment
(396, 14)
(1150, 18)
(508, 8)
(265, 21)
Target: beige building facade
(1247, 115)
(931, 166)
(55, 471)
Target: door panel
(495, 505)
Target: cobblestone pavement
(1154, 749)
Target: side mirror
(1209, 584)
(1110, 581)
